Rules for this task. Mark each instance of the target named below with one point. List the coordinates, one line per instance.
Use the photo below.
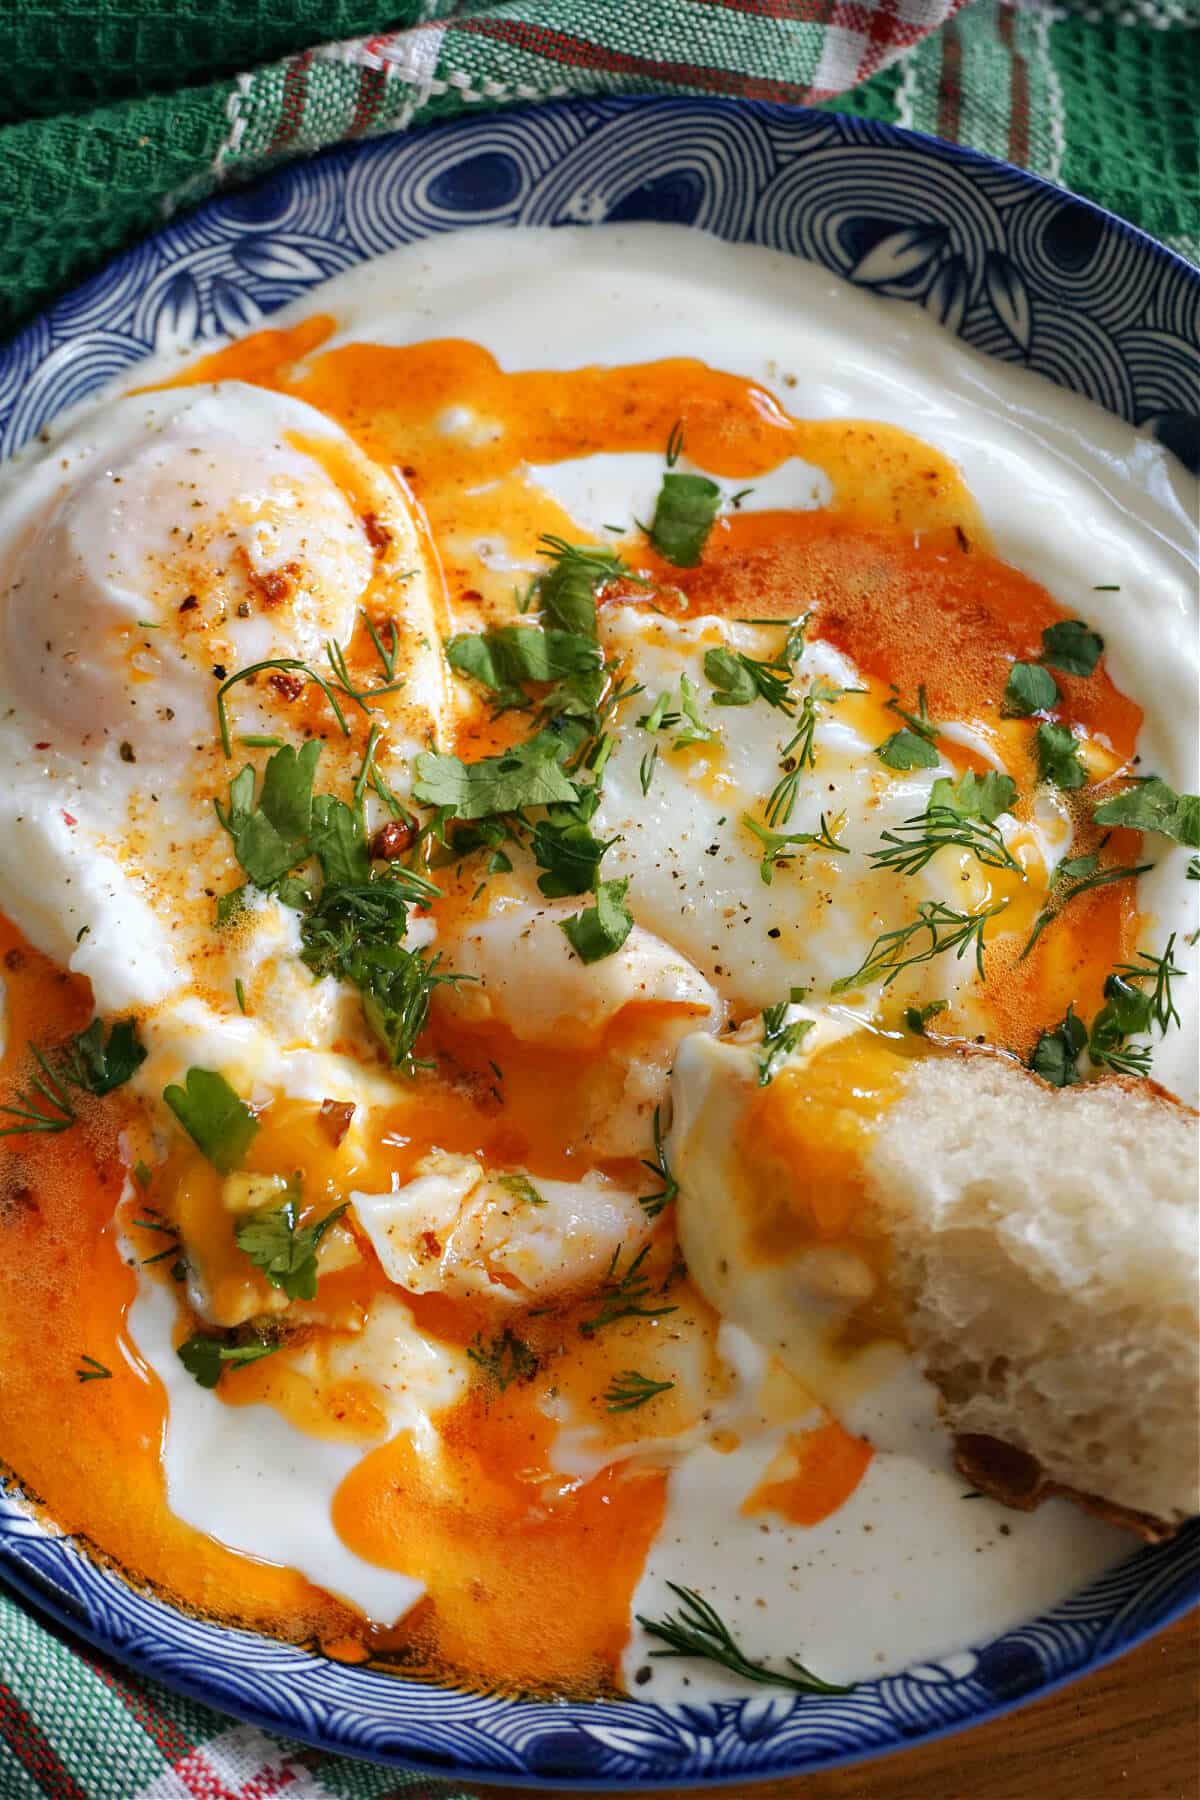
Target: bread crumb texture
(1047, 1246)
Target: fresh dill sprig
(285, 664)
(699, 1630)
(780, 1039)
(1163, 1010)
(507, 1358)
(631, 1389)
(57, 1114)
(624, 1296)
(92, 1370)
(942, 929)
(917, 841)
(1076, 875)
(781, 846)
(653, 1204)
(800, 751)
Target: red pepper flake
(392, 840)
(189, 603)
(44, 746)
(378, 536)
(430, 1245)
(277, 585)
(289, 686)
(334, 1119)
(70, 818)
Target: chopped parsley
(1153, 805)
(510, 656)
(600, 930)
(566, 848)
(285, 1250)
(1072, 646)
(220, 1124)
(529, 774)
(521, 1189)
(1056, 1054)
(1029, 689)
(685, 510)
(916, 1018)
(566, 593)
(913, 748)
(207, 1358)
(1057, 750)
(739, 680)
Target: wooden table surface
(1129, 1732)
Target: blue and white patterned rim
(1015, 268)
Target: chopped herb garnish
(1072, 646)
(916, 1018)
(507, 1358)
(1073, 876)
(504, 659)
(739, 679)
(239, 993)
(653, 1204)
(1029, 689)
(600, 930)
(919, 839)
(1056, 1054)
(1161, 1002)
(566, 848)
(231, 904)
(1152, 805)
(913, 748)
(530, 774)
(624, 1296)
(699, 1631)
(975, 796)
(781, 846)
(567, 592)
(207, 1358)
(92, 1370)
(800, 751)
(1057, 750)
(220, 1124)
(779, 1040)
(631, 1389)
(647, 767)
(521, 1189)
(285, 1250)
(87, 1062)
(271, 835)
(941, 928)
(286, 665)
(684, 513)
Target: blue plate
(1012, 266)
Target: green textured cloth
(114, 113)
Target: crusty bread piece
(1048, 1247)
